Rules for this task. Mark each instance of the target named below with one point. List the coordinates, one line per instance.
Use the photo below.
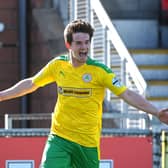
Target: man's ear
(67, 45)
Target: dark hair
(77, 26)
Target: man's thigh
(54, 156)
(85, 157)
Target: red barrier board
(126, 152)
(165, 5)
(21, 148)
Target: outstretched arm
(141, 103)
(19, 89)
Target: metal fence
(117, 121)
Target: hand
(0, 97)
(163, 115)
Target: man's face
(80, 47)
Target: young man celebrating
(76, 123)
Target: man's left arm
(139, 102)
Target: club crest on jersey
(87, 77)
(116, 82)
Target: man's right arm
(21, 88)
